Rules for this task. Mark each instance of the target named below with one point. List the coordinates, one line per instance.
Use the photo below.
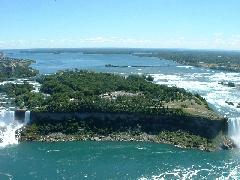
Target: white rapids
(222, 98)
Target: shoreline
(178, 139)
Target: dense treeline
(22, 95)
(83, 91)
(14, 90)
(89, 84)
(221, 60)
(72, 91)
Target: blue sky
(202, 24)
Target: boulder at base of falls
(227, 144)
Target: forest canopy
(84, 91)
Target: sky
(195, 24)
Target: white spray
(234, 130)
(9, 127)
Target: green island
(12, 68)
(81, 105)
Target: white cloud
(218, 41)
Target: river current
(114, 160)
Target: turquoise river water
(114, 160)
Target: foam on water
(226, 171)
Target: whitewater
(213, 87)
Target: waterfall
(234, 130)
(27, 117)
(9, 126)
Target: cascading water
(27, 117)
(234, 130)
(9, 126)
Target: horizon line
(125, 48)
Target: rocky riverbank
(179, 139)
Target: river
(114, 160)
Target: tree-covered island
(82, 105)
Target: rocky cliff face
(201, 126)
